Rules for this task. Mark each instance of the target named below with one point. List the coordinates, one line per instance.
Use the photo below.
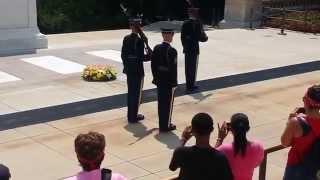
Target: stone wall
(241, 13)
(19, 31)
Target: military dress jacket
(164, 65)
(132, 55)
(192, 33)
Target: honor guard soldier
(132, 55)
(192, 33)
(164, 70)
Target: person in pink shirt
(90, 153)
(243, 155)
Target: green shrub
(62, 16)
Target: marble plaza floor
(45, 151)
(44, 103)
(51, 77)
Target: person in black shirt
(200, 161)
(132, 55)
(192, 33)
(164, 70)
(4, 172)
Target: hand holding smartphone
(187, 133)
(223, 130)
(301, 110)
(228, 126)
(297, 111)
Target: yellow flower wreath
(99, 72)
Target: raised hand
(187, 133)
(222, 131)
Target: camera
(301, 110)
(228, 126)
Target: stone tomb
(242, 13)
(19, 32)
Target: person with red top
(295, 135)
(243, 155)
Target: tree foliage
(61, 16)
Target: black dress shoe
(133, 122)
(192, 89)
(140, 117)
(171, 127)
(195, 88)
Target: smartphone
(189, 130)
(301, 110)
(228, 126)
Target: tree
(58, 16)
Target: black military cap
(167, 30)
(193, 11)
(135, 20)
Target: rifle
(148, 50)
(203, 36)
(190, 3)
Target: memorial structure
(19, 32)
(242, 13)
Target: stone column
(19, 32)
(239, 13)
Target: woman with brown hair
(90, 153)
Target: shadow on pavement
(170, 139)
(200, 97)
(139, 131)
(47, 114)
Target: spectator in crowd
(90, 153)
(200, 161)
(243, 155)
(4, 172)
(301, 132)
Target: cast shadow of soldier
(197, 95)
(140, 131)
(200, 97)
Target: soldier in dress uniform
(164, 70)
(192, 33)
(132, 55)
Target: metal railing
(263, 165)
(301, 11)
(282, 16)
(290, 3)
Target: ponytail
(240, 127)
(240, 143)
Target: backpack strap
(106, 174)
(304, 125)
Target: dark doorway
(165, 9)
(212, 11)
